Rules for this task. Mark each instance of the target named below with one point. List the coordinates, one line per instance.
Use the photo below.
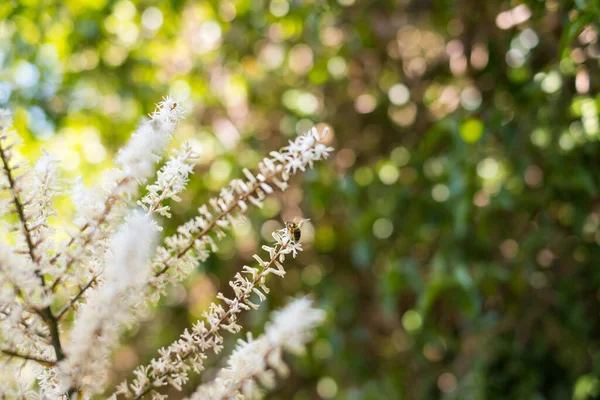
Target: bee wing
(302, 221)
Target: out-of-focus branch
(29, 357)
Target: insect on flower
(294, 228)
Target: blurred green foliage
(455, 234)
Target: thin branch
(206, 230)
(234, 205)
(19, 207)
(28, 357)
(52, 323)
(75, 298)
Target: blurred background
(454, 235)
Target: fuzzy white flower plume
(99, 322)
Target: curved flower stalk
(136, 162)
(193, 243)
(258, 359)
(189, 351)
(97, 327)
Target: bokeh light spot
(447, 382)
(540, 137)
(552, 82)
(470, 98)
(389, 174)
(279, 8)
(400, 156)
(322, 349)
(26, 75)
(312, 274)
(124, 10)
(345, 158)
(509, 249)
(403, 116)
(471, 130)
(488, 168)
(534, 176)
(365, 103)
(327, 388)
(301, 59)
(383, 228)
(363, 176)
(399, 94)
(538, 280)
(337, 67)
(440, 193)
(220, 170)
(545, 257)
(152, 18)
(412, 321)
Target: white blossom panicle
(108, 271)
(193, 243)
(25, 323)
(99, 209)
(29, 197)
(189, 351)
(98, 324)
(147, 145)
(257, 360)
(171, 180)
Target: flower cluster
(171, 180)
(189, 351)
(258, 359)
(64, 304)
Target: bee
(294, 229)
(173, 106)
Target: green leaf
(571, 31)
